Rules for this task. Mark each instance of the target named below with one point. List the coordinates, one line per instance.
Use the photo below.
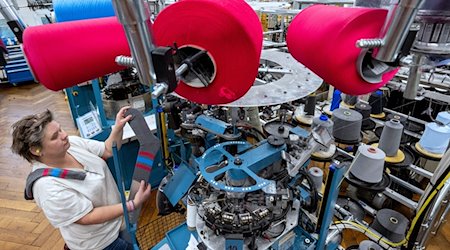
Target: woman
(87, 211)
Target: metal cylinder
(7, 10)
(415, 71)
(396, 29)
(364, 110)
(347, 124)
(391, 137)
(368, 165)
(135, 18)
(434, 32)
(12, 18)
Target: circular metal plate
(297, 83)
(278, 129)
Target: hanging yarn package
(64, 54)
(61, 55)
(71, 10)
(231, 33)
(327, 45)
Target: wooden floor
(22, 224)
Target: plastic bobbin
(397, 158)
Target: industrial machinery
(249, 175)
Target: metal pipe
(411, 118)
(396, 29)
(400, 198)
(415, 71)
(272, 70)
(443, 216)
(135, 18)
(407, 185)
(272, 32)
(12, 18)
(420, 171)
(8, 12)
(427, 226)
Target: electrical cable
(312, 206)
(413, 231)
(370, 233)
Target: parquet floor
(22, 224)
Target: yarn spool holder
(344, 144)
(323, 162)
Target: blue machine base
(178, 238)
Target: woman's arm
(105, 213)
(116, 133)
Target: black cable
(312, 206)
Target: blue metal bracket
(247, 162)
(336, 173)
(131, 228)
(179, 184)
(216, 126)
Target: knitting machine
(245, 174)
(125, 91)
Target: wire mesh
(148, 235)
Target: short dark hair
(29, 132)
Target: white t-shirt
(65, 201)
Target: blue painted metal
(131, 228)
(99, 102)
(163, 244)
(301, 132)
(178, 237)
(234, 243)
(337, 172)
(303, 240)
(335, 102)
(179, 184)
(249, 161)
(17, 71)
(213, 124)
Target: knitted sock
(149, 145)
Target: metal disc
(275, 141)
(297, 82)
(352, 206)
(278, 129)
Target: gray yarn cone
(390, 137)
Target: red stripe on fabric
(147, 154)
(45, 173)
(64, 173)
(144, 167)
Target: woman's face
(55, 142)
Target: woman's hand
(116, 132)
(121, 120)
(142, 194)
